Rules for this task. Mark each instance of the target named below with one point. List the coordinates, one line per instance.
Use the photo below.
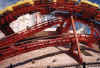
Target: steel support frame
(70, 6)
(77, 43)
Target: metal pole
(84, 65)
(76, 37)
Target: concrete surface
(50, 56)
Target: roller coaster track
(80, 12)
(37, 28)
(22, 48)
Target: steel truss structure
(82, 13)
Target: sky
(4, 3)
(95, 1)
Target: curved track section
(80, 12)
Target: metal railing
(84, 65)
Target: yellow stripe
(90, 3)
(54, 0)
(10, 8)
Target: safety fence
(84, 65)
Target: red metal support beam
(76, 38)
(19, 36)
(13, 50)
(60, 27)
(67, 26)
(92, 29)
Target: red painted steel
(16, 37)
(9, 49)
(8, 52)
(76, 39)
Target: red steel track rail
(9, 49)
